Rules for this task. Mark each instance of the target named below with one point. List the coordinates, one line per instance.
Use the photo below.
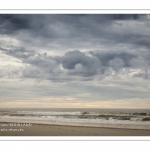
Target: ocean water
(80, 115)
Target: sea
(93, 116)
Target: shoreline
(58, 129)
(113, 126)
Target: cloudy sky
(98, 61)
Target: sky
(75, 60)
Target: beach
(74, 122)
(21, 128)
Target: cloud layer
(79, 52)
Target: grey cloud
(12, 23)
(143, 74)
(91, 56)
(20, 53)
(62, 33)
(24, 19)
(72, 58)
(77, 65)
(114, 58)
(117, 44)
(125, 16)
(74, 29)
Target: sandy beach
(43, 129)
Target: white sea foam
(83, 116)
(49, 113)
(68, 113)
(79, 120)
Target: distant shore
(36, 128)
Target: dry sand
(38, 129)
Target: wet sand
(38, 129)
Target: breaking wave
(139, 118)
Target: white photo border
(74, 138)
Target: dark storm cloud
(143, 41)
(124, 16)
(12, 23)
(114, 58)
(51, 26)
(85, 31)
(68, 32)
(82, 64)
(36, 22)
(76, 64)
(72, 58)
